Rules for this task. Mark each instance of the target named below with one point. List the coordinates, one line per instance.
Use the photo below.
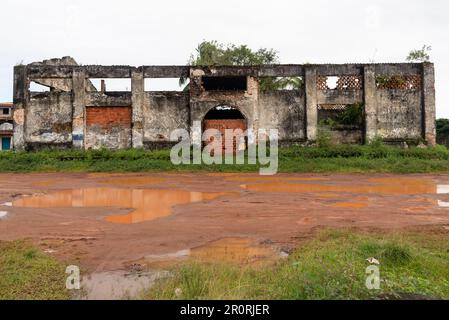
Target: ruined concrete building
(355, 102)
(6, 125)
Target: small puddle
(116, 285)
(241, 251)
(3, 214)
(234, 250)
(148, 204)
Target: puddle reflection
(234, 250)
(384, 186)
(396, 186)
(148, 204)
(225, 250)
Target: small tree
(442, 128)
(210, 53)
(420, 55)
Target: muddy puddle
(114, 285)
(232, 250)
(149, 204)
(378, 186)
(144, 273)
(397, 186)
(146, 204)
(235, 250)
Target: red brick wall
(108, 117)
(223, 124)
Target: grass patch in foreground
(330, 266)
(28, 274)
(335, 158)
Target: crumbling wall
(108, 127)
(49, 120)
(200, 107)
(399, 114)
(202, 100)
(59, 84)
(283, 110)
(346, 136)
(338, 91)
(164, 112)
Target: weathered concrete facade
(398, 103)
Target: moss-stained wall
(163, 113)
(48, 118)
(283, 110)
(399, 114)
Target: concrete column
(138, 92)
(428, 86)
(311, 103)
(20, 97)
(253, 119)
(369, 94)
(79, 105)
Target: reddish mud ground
(108, 221)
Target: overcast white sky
(167, 32)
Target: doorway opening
(223, 118)
(6, 143)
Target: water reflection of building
(6, 126)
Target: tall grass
(330, 266)
(328, 158)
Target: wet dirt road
(108, 222)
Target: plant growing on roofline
(420, 55)
(211, 53)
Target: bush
(323, 137)
(376, 142)
(352, 115)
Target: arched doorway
(225, 117)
